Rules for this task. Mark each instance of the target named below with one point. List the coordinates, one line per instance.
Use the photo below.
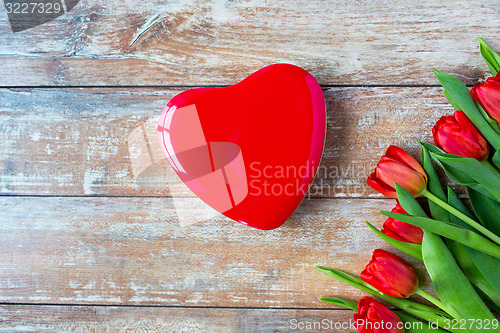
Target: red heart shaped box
(250, 150)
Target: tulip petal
(461, 143)
(401, 155)
(397, 166)
(390, 274)
(463, 120)
(403, 231)
(488, 96)
(457, 135)
(402, 279)
(380, 186)
(386, 230)
(390, 172)
(378, 277)
(383, 280)
(414, 250)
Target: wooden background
(93, 232)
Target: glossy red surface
(251, 150)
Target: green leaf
(470, 261)
(411, 249)
(467, 171)
(486, 209)
(485, 180)
(493, 306)
(451, 231)
(434, 186)
(496, 158)
(482, 270)
(408, 202)
(491, 58)
(460, 94)
(454, 173)
(452, 102)
(431, 149)
(341, 302)
(451, 284)
(455, 202)
(493, 124)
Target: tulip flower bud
(390, 274)
(487, 94)
(397, 166)
(457, 135)
(402, 231)
(373, 317)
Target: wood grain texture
(135, 251)
(103, 141)
(23, 318)
(96, 232)
(200, 42)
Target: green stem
(488, 164)
(431, 299)
(462, 216)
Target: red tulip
(487, 94)
(402, 231)
(390, 274)
(457, 135)
(373, 317)
(397, 166)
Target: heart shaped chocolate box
(251, 150)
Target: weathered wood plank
(32, 318)
(103, 141)
(135, 251)
(220, 42)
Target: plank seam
(172, 306)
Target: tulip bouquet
(460, 248)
